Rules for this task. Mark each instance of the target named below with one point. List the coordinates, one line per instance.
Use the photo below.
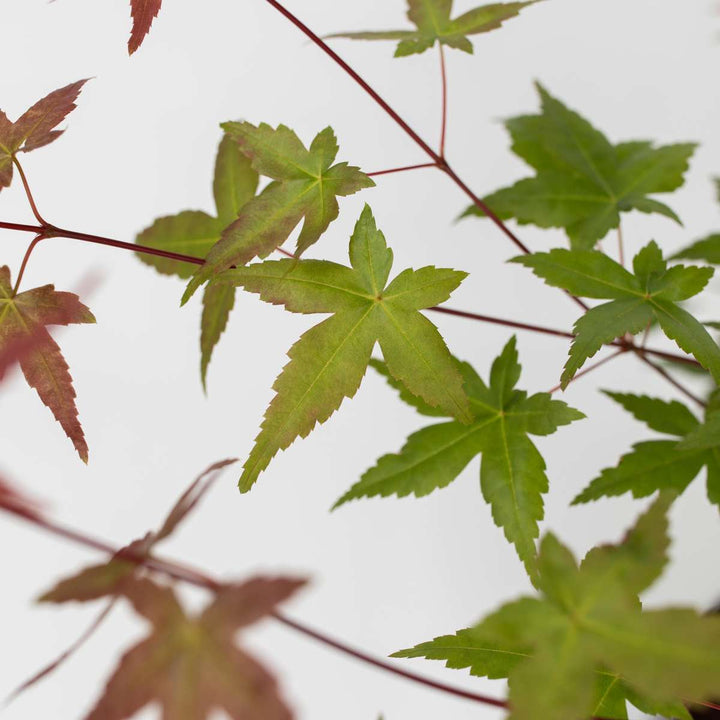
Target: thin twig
(621, 246)
(587, 370)
(443, 77)
(25, 259)
(28, 193)
(661, 371)
(143, 249)
(200, 579)
(401, 169)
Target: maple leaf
(583, 181)
(651, 294)
(305, 184)
(25, 316)
(585, 646)
(192, 665)
(143, 13)
(113, 577)
(193, 232)
(329, 361)
(663, 464)
(434, 23)
(707, 249)
(35, 127)
(512, 474)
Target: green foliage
(583, 182)
(329, 361)
(35, 127)
(23, 319)
(663, 464)
(651, 294)
(193, 232)
(305, 184)
(512, 472)
(585, 646)
(191, 666)
(434, 23)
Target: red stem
(200, 579)
(59, 232)
(587, 370)
(29, 194)
(443, 76)
(25, 259)
(401, 169)
(661, 371)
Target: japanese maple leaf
(26, 315)
(433, 21)
(583, 182)
(113, 577)
(329, 361)
(652, 293)
(193, 232)
(585, 646)
(664, 464)
(143, 13)
(192, 666)
(305, 184)
(35, 127)
(512, 472)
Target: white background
(385, 573)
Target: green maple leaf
(583, 182)
(707, 249)
(663, 464)
(23, 321)
(35, 127)
(434, 23)
(585, 646)
(329, 361)
(512, 472)
(651, 294)
(193, 232)
(305, 184)
(192, 666)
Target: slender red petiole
(584, 372)
(401, 169)
(25, 259)
(443, 76)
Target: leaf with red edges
(191, 665)
(143, 14)
(35, 128)
(25, 316)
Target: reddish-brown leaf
(143, 14)
(23, 317)
(35, 127)
(191, 665)
(190, 498)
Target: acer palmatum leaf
(25, 316)
(35, 128)
(192, 665)
(143, 13)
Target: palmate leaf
(663, 464)
(192, 666)
(329, 361)
(23, 321)
(434, 23)
(583, 182)
(652, 293)
(35, 128)
(707, 249)
(584, 646)
(512, 474)
(143, 13)
(305, 184)
(193, 232)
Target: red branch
(185, 574)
